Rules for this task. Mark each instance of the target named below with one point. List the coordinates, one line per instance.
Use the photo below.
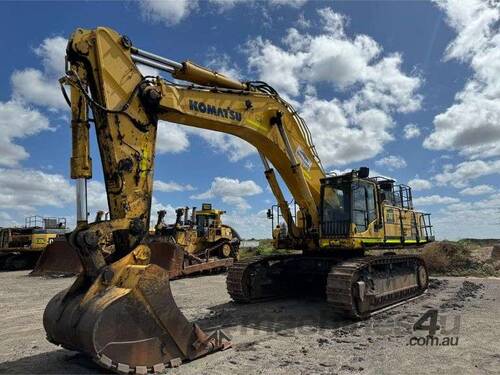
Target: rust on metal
(130, 323)
(58, 259)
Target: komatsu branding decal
(214, 111)
(306, 162)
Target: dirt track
(289, 336)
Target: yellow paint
(256, 125)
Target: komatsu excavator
(120, 310)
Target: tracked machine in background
(120, 310)
(200, 242)
(20, 247)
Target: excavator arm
(127, 106)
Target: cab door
(364, 209)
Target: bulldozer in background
(195, 243)
(20, 247)
(201, 233)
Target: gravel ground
(289, 336)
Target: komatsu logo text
(214, 111)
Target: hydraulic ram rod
(152, 56)
(152, 64)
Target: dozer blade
(58, 259)
(176, 262)
(127, 320)
(168, 256)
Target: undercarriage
(355, 287)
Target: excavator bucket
(58, 259)
(127, 319)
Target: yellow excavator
(120, 310)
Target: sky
(409, 89)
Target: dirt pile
(456, 259)
(495, 253)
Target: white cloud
(275, 66)
(434, 199)
(169, 12)
(17, 121)
(238, 202)
(171, 138)
(419, 184)
(391, 162)
(249, 165)
(249, 225)
(53, 53)
(474, 225)
(158, 206)
(478, 190)
(339, 137)
(302, 22)
(168, 187)
(225, 5)
(221, 62)
(374, 85)
(411, 131)
(231, 191)
(333, 23)
(42, 87)
(32, 86)
(172, 12)
(472, 123)
(292, 3)
(462, 174)
(234, 147)
(96, 198)
(6, 220)
(25, 189)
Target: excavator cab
(358, 211)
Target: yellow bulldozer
(20, 247)
(120, 310)
(201, 233)
(196, 243)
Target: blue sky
(410, 89)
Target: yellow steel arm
(127, 107)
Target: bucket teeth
(176, 362)
(158, 368)
(105, 361)
(123, 368)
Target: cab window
(359, 208)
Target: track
(405, 274)
(355, 288)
